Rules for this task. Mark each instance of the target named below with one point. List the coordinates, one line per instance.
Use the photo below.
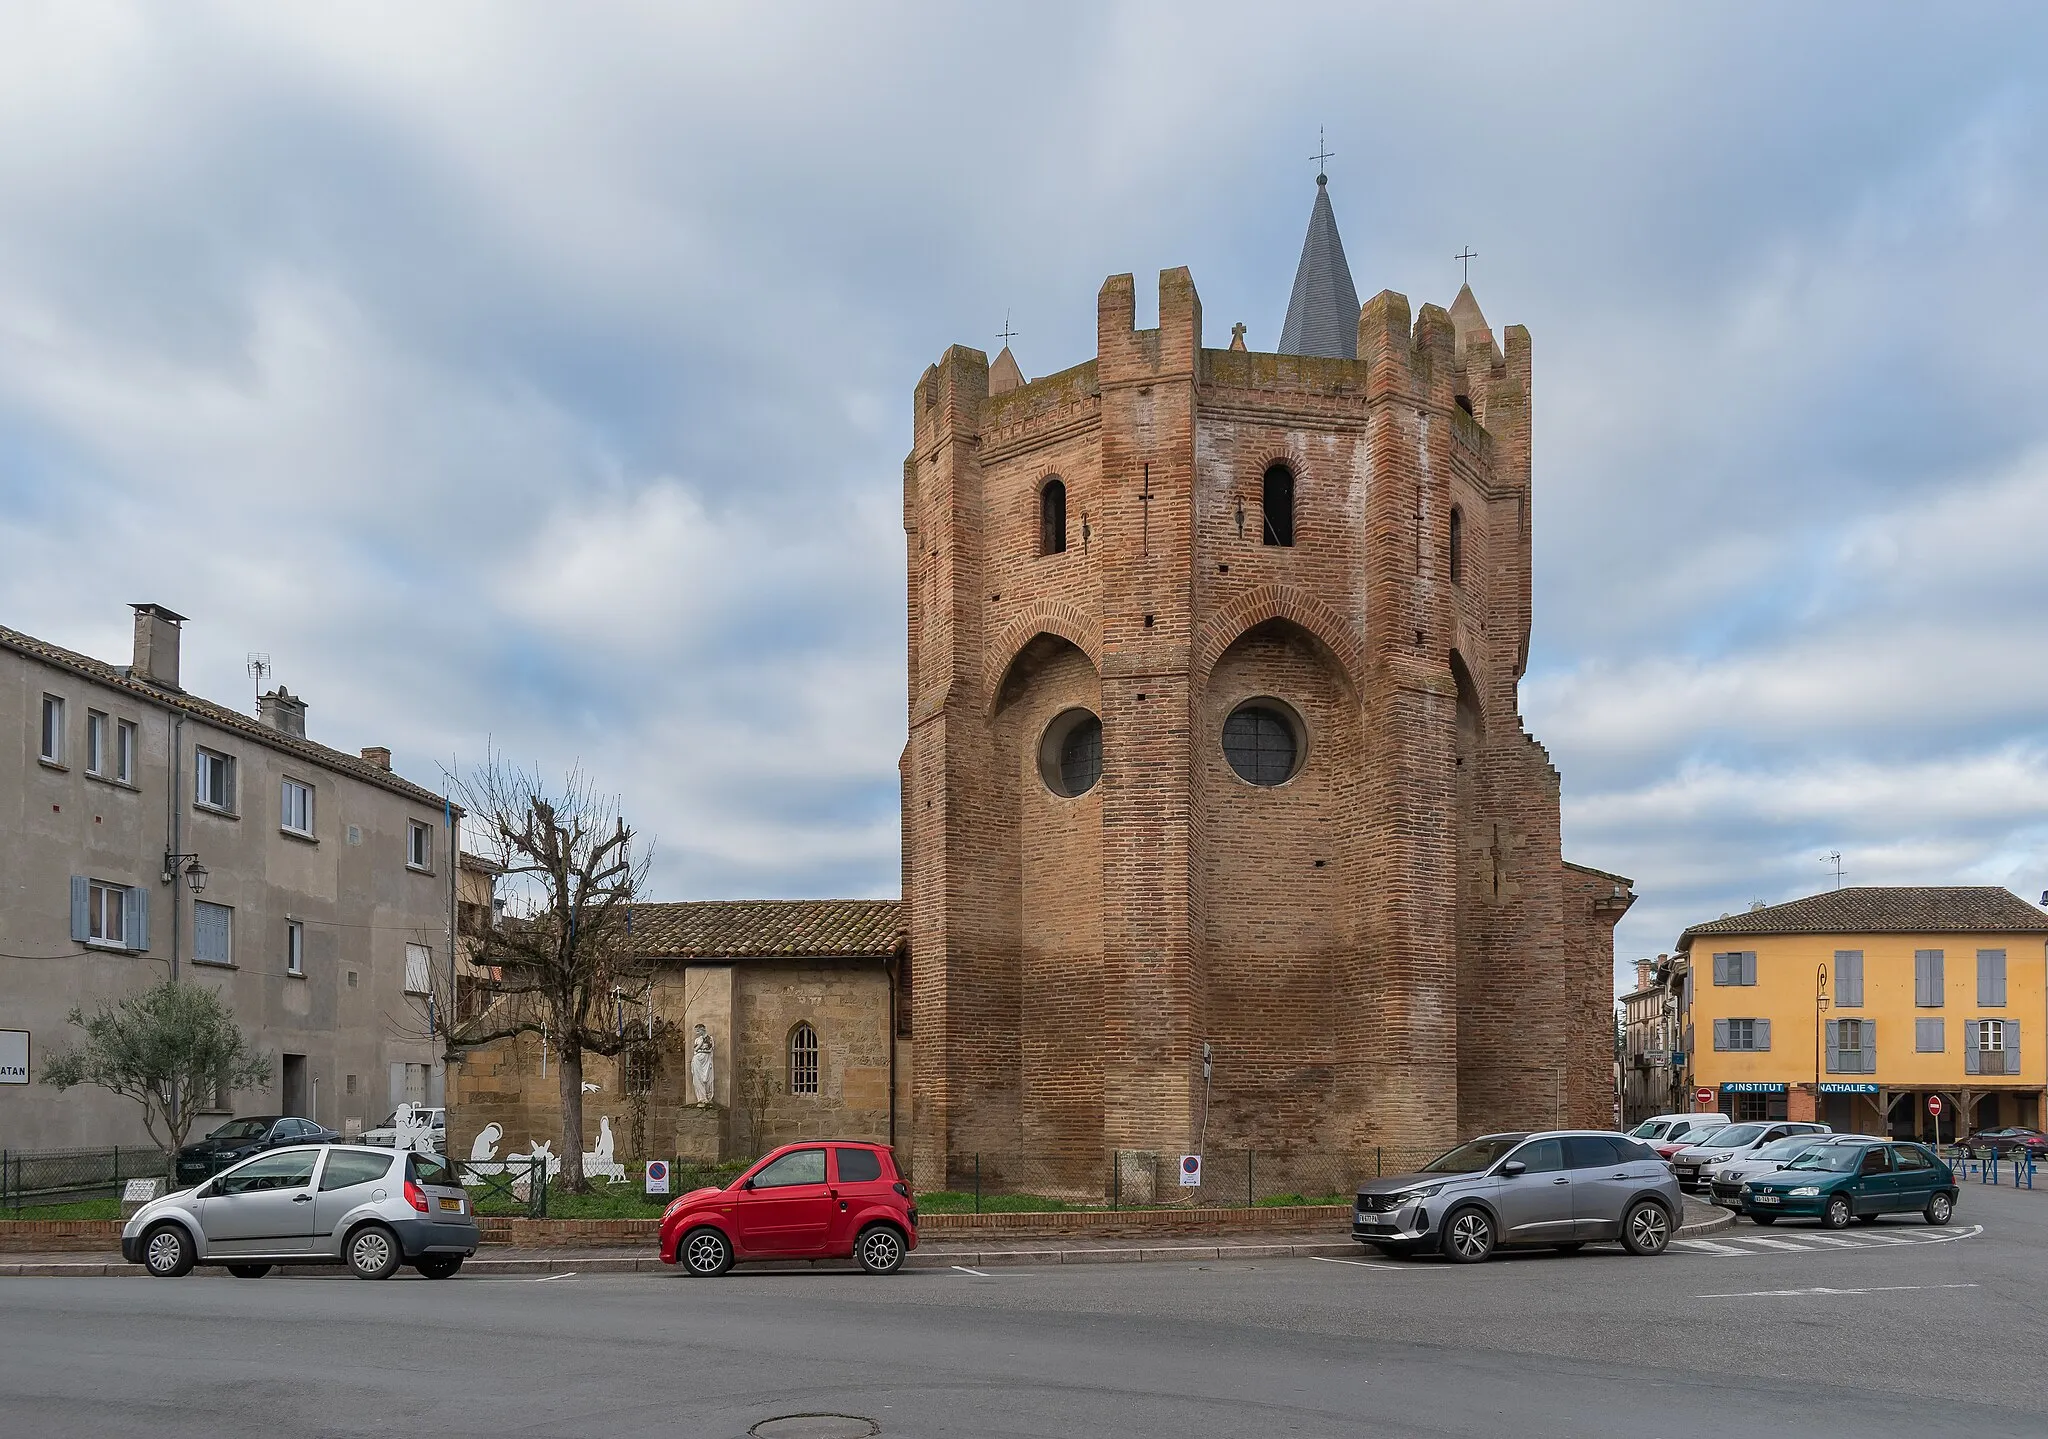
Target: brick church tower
(1214, 737)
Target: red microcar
(830, 1199)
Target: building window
(419, 963)
(1848, 979)
(95, 743)
(53, 730)
(1929, 984)
(124, 751)
(105, 910)
(638, 1077)
(1742, 1034)
(296, 808)
(1279, 506)
(1991, 978)
(1261, 740)
(1052, 517)
(1736, 968)
(213, 777)
(213, 933)
(1457, 546)
(419, 845)
(349, 1084)
(295, 948)
(1993, 1047)
(803, 1060)
(1756, 1108)
(1070, 753)
(1930, 1036)
(1854, 1047)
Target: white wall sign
(141, 1191)
(1191, 1171)
(657, 1176)
(13, 1056)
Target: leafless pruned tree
(560, 963)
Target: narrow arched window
(1052, 517)
(803, 1060)
(1279, 503)
(1457, 545)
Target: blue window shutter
(1940, 996)
(81, 922)
(1870, 1046)
(135, 919)
(1720, 969)
(1749, 967)
(1970, 1036)
(1998, 977)
(1834, 1046)
(1720, 1034)
(1763, 1034)
(2012, 1046)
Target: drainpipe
(889, 971)
(175, 817)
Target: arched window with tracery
(1457, 545)
(1279, 506)
(1052, 517)
(803, 1060)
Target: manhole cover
(816, 1426)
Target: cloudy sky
(540, 375)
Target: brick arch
(1281, 602)
(1046, 617)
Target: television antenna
(259, 665)
(1834, 857)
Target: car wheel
(1939, 1209)
(1573, 1248)
(1764, 1219)
(1646, 1229)
(373, 1252)
(248, 1271)
(706, 1253)
(1468, 1236)
(1838, 1213)
(879, 1249)
(439, 1266)
(167, 1252)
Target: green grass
(83, 1209)
(954, 1201)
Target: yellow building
(1854, 1006)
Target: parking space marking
(550, 1278)
(1766, 1243)
(1728, 1245)
(1824, 1290)
(1708, 1246)
(1366, 1264)
(975, 1272)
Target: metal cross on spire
(1006, 334)
(1465, 258)
(1323, 155)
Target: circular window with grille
(1070, 754)
(1263, 740)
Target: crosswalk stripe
(1708, 1246)
(1766, 1243)
(1876, 1238)
(1838, 1243)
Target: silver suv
(1558, 1189)
(371, 1209)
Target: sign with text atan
(13, 1056)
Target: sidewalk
(504, 1260)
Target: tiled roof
(220, 716)
(764, 928)
(1874, 909)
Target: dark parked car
(1838, 1182)
(2011, 1143)
(239, 1138)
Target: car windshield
(1836, 1158)
(242, 1129)
(1789, 1147)
(1474, 1155)
(1731, 1136)
(1650, 1129)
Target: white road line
(975, 1272)
(1766, 1243)
(1876, 1238)
(1836, 1242)
(1362, 1264)
(1823, 1290)
(1708, 1246)
(550, 1278)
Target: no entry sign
(1703, 1096)
(1934, 1105)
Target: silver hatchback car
(371, 1209)
(1558, 1189)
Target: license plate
(453, 1206)
(1767, 1199)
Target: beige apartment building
(145, 831)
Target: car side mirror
(1512, 1168)
(746, 1184)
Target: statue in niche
(700, 1065)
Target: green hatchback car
(1838, 1182)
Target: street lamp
(194, 871)
(1820, 1008)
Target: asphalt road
(1942, 1335)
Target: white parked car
(386, 1133)
(1731, 1142)
(1725, 1180)
(1669, 1133)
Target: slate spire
(1322, 313)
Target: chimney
(376, 754)
(156, 645)
(1645, 969)
(284, 712)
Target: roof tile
(1876, 909)
(768, 928)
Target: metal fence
(518, 1183)
(1144, 1179)
(66, 1176)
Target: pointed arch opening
(1278, 503)
(1052, 516)
(1457, 545)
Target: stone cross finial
(1237, 336)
